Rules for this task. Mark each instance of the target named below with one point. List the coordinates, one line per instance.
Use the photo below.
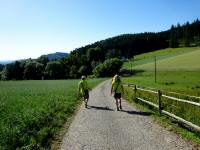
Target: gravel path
(102, 127)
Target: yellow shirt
(83, 85)
(117, 87)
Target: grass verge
(167, 122)
(33, 112)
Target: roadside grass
(178, 70)
(33, 112)
(167, 122)
(185, 82)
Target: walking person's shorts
(117, 95)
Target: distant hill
(129, 45)
(52, 56)
(56, 56)
(4, 62)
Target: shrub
(108, 68)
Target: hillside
(178, 70)
(129, 45)
(167, 60)
(188, 62)
(88, 59)
(57, 55)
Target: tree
(17, 70)
(33, 70)
(39, 71)
(94, 64)
(173, 41)
(113, 53)
(108, 68)
(54, 70)
(187, 36)
(1, 67)
(43, 60)
(99, 71)
(83, 70)
(94, 54)
(5, 73)
(74, 72)
(12, 71)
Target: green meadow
(186, 62)
(177, 70)
(185, 82)
(186, 59)
(33, 112)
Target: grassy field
(186, 82)
(178, 70)
(187, 62)
(167, 59)
(32, 112)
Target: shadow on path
(137, 113)
(99, 108)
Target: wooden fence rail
(160, 109)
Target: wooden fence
(158, 106)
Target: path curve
(102, 127)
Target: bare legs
(86, 101)
(118, 103)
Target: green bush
(83, 70)
(108, 68)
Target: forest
(102, 58)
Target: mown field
(32, 112)
(184, 62)
(178, 70)
(185, 82)
(170, 59)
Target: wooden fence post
(135, 92)
(159, 101)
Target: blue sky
(30, 28)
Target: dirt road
(102, 127)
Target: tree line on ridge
(102, 58)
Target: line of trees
(185, 35)
(65, 68)
(97, 57)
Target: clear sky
(30, 28)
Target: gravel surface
(102, 127)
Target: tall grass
(32, 112)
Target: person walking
(118, 89)
(113, 79)
(83, 90)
